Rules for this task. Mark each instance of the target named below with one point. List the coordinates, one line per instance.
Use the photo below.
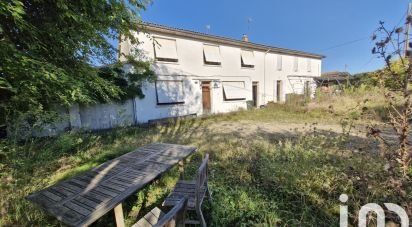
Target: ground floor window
(169, 92)
(234, 90)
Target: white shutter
(279, 62)
(234, 90)
(309, 65)
(170, 92)
(248, 59)
(165, 49)
(295, 64)
(211, 54)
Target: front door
(206, 97)
(255, 93)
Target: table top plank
(83, 199)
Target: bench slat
(83, 199)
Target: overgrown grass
(260, 180)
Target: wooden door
(206, 97)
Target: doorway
(255, 93)
(206, 97)
(278, 91)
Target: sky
(338, 29)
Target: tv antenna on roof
(249, 21)
(208, 28)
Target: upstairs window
(165, 50)
(279, 62)
(169, 92)
(211, 55)
(309, 65)
(247, 59)
(295, 64)
(234, 90)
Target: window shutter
(165, 49)
(211, 54)
(279, 62)
(234, 90)
(295, 64)
(170, 92)
(248, 59)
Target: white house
(201, 73)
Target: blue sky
(307, 25)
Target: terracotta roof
(150, 27)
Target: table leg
(118, 213)
(181, 169)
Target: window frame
(209, 63)
(164, 60)
(296, 64)
(242, 64)
(279, 62)
(169, 103)
(234, 99)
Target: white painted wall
(105, 116)
(192, 69)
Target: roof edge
(151, 27)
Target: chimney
(245, 38)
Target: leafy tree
(50, 49)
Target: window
(247, 59)
(278, 90)
(169, 92)
(279, 62)
(309, 65)
(211, 55)
(295, 64)
(234, 90)
(165, 50)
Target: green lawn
(260, 180)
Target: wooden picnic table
(83, 199)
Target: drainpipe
(264, 77)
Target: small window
(211, 55)
(279, 62)
(165, 50)
(234, 90)
(295, 64)
(169, 92)
(247, 59)
(309, 65)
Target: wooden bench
(195, 191)
(156, 217)
(83, 199)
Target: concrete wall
(105, 116)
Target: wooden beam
(118, 213)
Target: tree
(49, 50)
(396, 76)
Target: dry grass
(262, 172)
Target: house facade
(200, 74)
